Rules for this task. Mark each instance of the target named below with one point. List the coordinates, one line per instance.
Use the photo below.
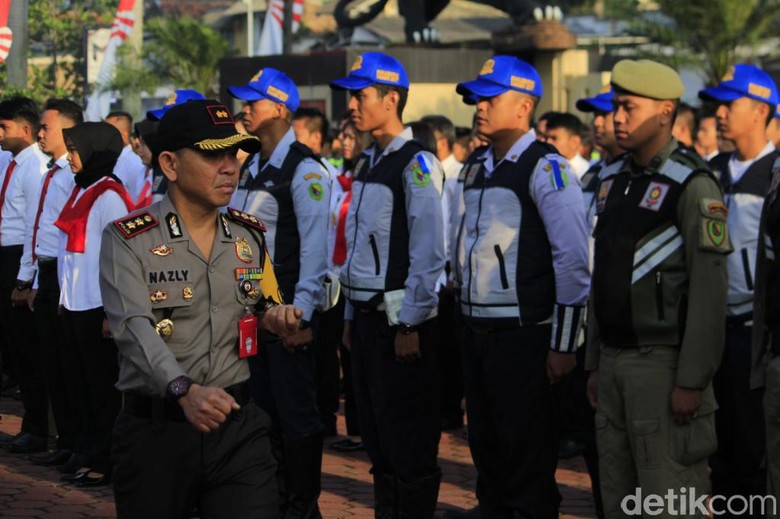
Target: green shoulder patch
(713, 227)
(247, 219)
(136, 224)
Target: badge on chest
(654, 197)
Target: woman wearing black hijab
(97, 199)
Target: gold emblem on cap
(164, 329)
(487, 68)
(523, 83)
(256, 77)
(187, 294)
(243, 250)
(759, 91)
(387, 75)
(605, 89)
(158, 296)
(171, 99)
(729, 76)
(357, 64)
(162, 250)
(273, 91)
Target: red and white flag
(273, 30)
(6, 37)
(99, 102)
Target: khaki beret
(646, 78)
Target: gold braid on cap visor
(222, 144)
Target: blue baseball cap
(271, 84)
(177, 98)
(500, 74)
(598, 103)
(371, 68)
(743, 80)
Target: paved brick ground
(36, 492)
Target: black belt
(158, 408)
(11, 249)
(372, 305)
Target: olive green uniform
(173, 313)
(672, 333)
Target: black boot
(303, 468)
(384, 496)
(417, 499)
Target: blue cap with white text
(598, 103)
(743, 80)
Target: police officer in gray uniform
(289, 189)
(395, 254)
(523, 269)
(182, 284)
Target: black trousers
(55, 361)
(164, 469)
(94, 373)
(398, 403)
(351, 417)
(511, 421)
(21, 338)
(329, 331)
(739, 421)
(449, 356)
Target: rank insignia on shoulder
(135, 225)
(247, 219)
(161, 250)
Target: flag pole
(17, 57)
(287, 24)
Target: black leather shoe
(27, 444)
(7, 439)
(472, 513)
(74, 463)
(347, 445)
(93, 481)
(50, 459)
(75, 478)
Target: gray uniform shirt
(158, 271)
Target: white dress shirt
(47, 236)
(22, 191)
(79, 279)
(131, 171)
(579, 165)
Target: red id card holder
(247, 335)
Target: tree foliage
(181, 51)
(714, 34)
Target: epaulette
(136, 224)
(246, 219)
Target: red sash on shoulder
(73, 218)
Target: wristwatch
(23, 285)
(407, 329)
(178, 387)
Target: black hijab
(99, 146)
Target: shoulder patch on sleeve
(421, 170)
(246, 219)
(713, 227)
(136, 224)
(559, 177)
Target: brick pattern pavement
(36, 492)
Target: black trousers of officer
(283, 386)
(56, 363)
(18, 326)
(449, 354)
(398, 405)
(95, 371)
(351, 417)
(739, 420)
(164, 468)
(511, 421)
(329, 331)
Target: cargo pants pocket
(692, 443)
(648, 444)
